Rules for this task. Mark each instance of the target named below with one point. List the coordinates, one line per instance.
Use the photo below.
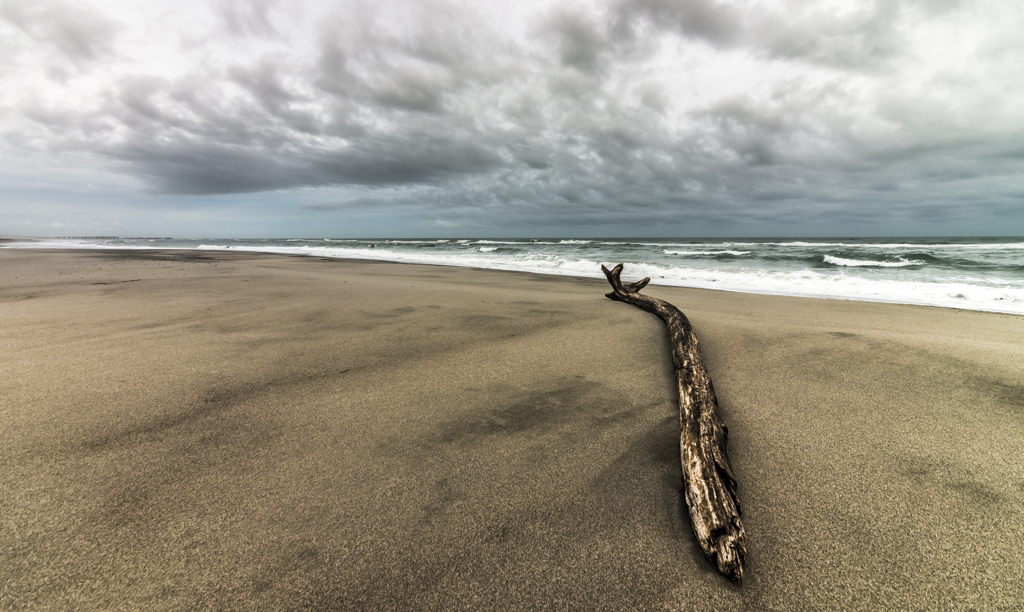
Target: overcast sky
(449, 119)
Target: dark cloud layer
(593, 113)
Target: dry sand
(192, 430)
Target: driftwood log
(709, 487)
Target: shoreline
(235, 430)
(654, 282)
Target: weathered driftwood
(708, 483)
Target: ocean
(968, 273)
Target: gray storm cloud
(635, 110)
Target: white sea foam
(735, 253)
(921, 246)
(927, 247)
(859, 263)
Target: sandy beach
(184, 430)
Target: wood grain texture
(709, 487)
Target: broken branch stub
(709, 487)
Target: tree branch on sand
(709, 486)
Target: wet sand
(186, 430)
